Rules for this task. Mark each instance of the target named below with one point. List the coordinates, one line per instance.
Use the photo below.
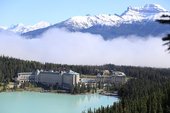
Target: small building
(24, 77)
(11, 85)
(88, 81)
(117, 78)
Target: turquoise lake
(35, 102)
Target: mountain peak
(42, 23)
(16, 25)
(148, 11)
(39, 25)
(148, 8)
(154, 7)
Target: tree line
(9, 67)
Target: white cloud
(60, 46)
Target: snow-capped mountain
(140, 21)
(21, 28)
(148, 12)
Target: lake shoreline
(59, 92)
(45, 91)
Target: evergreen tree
(166, 20)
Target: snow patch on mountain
(3, 27)
(81, 22)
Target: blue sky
(53, 11)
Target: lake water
(34, 102)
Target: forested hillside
(147, 92)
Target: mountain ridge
(133, 21)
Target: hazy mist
(60, 46)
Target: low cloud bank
(60, 46)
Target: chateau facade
(66, 80)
